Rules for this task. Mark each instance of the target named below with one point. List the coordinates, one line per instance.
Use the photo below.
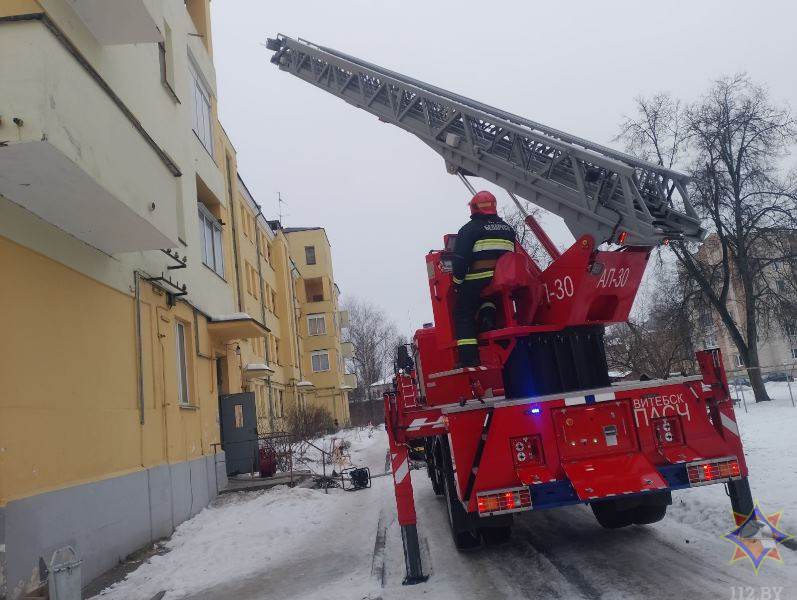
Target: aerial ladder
(539, 424)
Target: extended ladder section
(596, 190)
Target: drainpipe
(234, 235)
(296, 310)
(260, 271)
(139, 344)
(263, 307)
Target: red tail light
(668, 431)
(713, 471)
(503, 501)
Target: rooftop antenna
(280, 202)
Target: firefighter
(479, 244)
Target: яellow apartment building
(151, 318)
(320, 322)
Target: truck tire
(464, 537)
(610, 517)
(645, 515)
(433, 466)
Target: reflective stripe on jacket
(483, 237)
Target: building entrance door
(239, 432)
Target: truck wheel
(609, 517)
(645, 515)
(437, 486)
(436, 463)
(464, 537)
(492, 536)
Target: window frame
(166, 59)
(307, 255)
(710, 341)
(319, 354)
(316, 317)
(201, 91)
(216, 235)
(181, 352)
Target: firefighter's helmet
(483, 203)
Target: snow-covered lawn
(305, 544)
(769, 433)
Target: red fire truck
(538, 424)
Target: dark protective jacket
(484, 237)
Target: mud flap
(615, 475)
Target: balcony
(117, 21)
(69, 154)
(347, 350)
(350, 379)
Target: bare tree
(732, 141)
(657, 340)
(374, 338)
(515, 218)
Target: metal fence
(739, 379)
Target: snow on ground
(307, 545)
(769, 432)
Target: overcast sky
(382, 195)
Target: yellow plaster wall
(19, 7)
(69, 411)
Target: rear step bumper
(563, 493)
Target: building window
(791, 330)
(706, 319)
(794, 353)
(166, 55)
(320, 361)
(281, 403)
(200, 99)
(309, 255)
(781, 285)
(210, 241)
(738, 360)
(182, 366)
(710, 341)
(274, 302)
(316, 325)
